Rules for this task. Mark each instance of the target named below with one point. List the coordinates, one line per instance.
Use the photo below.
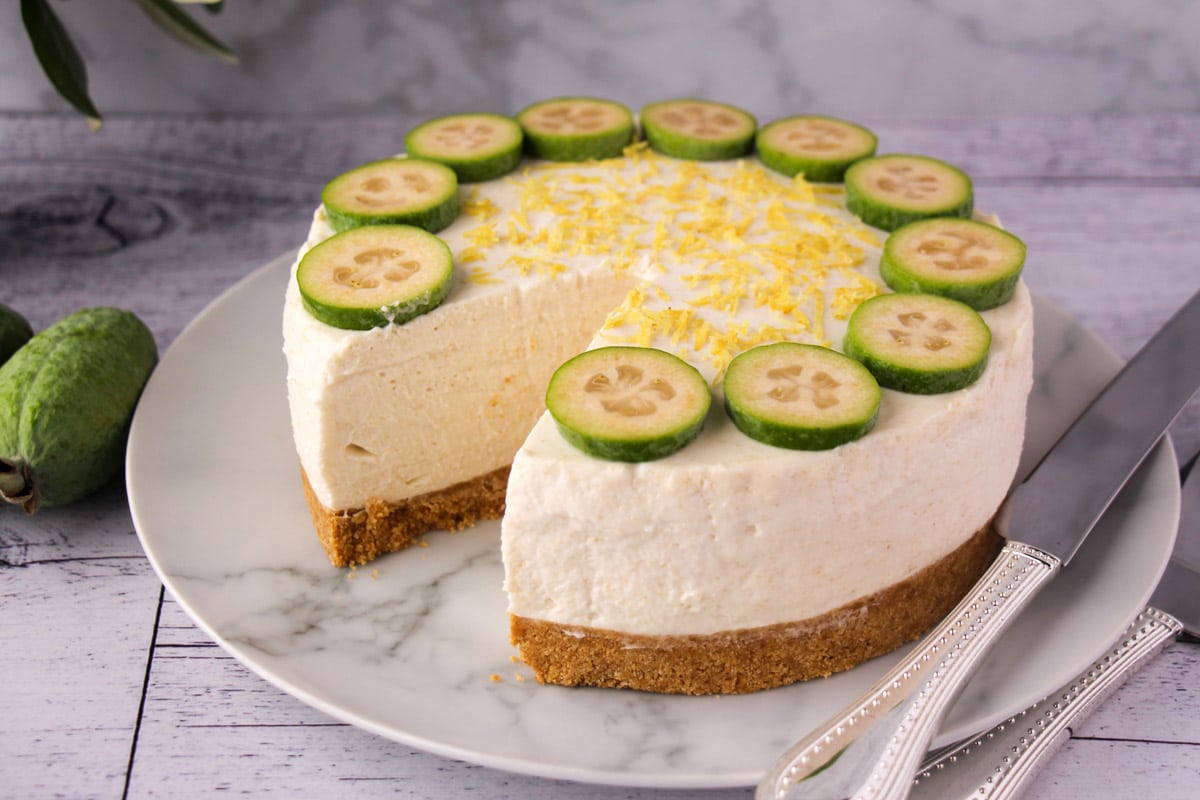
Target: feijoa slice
(478, 147)
(698, 130)
(800, 396)
(817, 147)
(919, 343)
(393, 191)
(892, 190)
(969, 261)
(628, 403)
(576, 128)
(375, 275)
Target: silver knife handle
(879, 740)
(1000, 764)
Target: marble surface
(413, 646)
(427, 57)
(111, 687)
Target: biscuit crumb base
(752, 659)
(356, 536)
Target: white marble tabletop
(112, 690)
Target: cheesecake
(730, 565)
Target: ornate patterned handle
(872, 749)
(1000, 764)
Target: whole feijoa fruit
(66, 400)
(14, 332)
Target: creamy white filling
(402, 410)
(730, 533)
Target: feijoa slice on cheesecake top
(819, 148)
(973, 262)
(628, 403)
(892, 190)
(800, 396)
(919, 343)
(393, 191)
(698, 130)
(576, 128)
(478, 147)
(375, 275)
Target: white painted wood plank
(76, 636)
(1119, 771)
(163, 214)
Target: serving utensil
(1001, 763)
(872, 749)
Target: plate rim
(519, 765)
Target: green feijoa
(394, 191)
(375, 275)
(892, 190)
(66, 400)
(919, 343)
(817, 147)
(15, 331)
(576, 129)
(628, 403)
(478, 147)
(698, 130)
(968, 261)
(800, 396)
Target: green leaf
(59, 58)
(176, 22)
(211, 6)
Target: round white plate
(414, 646)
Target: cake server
(872, 749)
(1000, 764)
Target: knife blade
(872, 749)
(1001, 763)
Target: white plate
(408, 646)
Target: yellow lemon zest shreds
(636, 149)
(743, 235)
(515, 234)
(848, 298)
(529, 266)
(866, 235)
(702, 331)
(818, 315)
(470, 254)
(482, 236)
(481, 208)
(482, 276)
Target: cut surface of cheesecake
(729, 565)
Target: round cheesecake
(731, 565)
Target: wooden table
(110, 690)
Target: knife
(1001, 763)
(871, 750)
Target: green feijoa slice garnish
(919, 343)
(817, 147)
(628, 403)
(968, 261)
(698, 130)
(893, 190)
(478, 147)
(576, 129)
(15, 331)
(394, 191)
(800, 396)
(375, 275)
